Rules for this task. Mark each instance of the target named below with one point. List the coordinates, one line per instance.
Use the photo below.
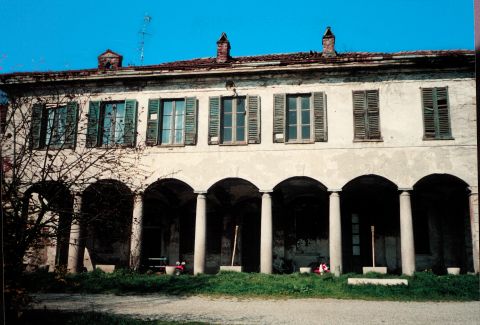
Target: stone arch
(168, 223)
(51, 201)
(441, 223)
(233, 202)
(370, 205)
(106, 221)
(300, 224)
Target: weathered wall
(402, 157)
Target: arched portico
(441, 221)
(232, 203)
(300, 224)
(106, 220)
(51, 202)
(370, 201)
(168, 223)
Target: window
(234, 120)
(355, 234)
(436, 119)
(54, 126)
(112, 123)
(300, 118)
(172, 121)
(366, 115)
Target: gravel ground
(267, 311)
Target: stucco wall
(402, 157)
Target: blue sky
(42, 35)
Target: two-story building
(304, 152)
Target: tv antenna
(143, 32)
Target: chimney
(328, 43)
(109, 60)
(223, 49)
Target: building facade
(305, 152)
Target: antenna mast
(143, 32)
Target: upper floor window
(234, 120)
(172, 121)
(299, 118)
(54, 126)
(112, 123)
(366, 115)
(436, 119)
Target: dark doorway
(370, 201)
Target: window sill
(53, 148)
(437, 139)
(300, 142)
(170, 145)
(116, 146)
(233, 144)
(368, 140)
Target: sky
(53, 35)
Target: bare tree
(48, 152)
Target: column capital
(473, 190)
(405, 189)
(138, 192)
(266, 191)
(200, 192)
(334, 190)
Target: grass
(75, 318)
(422, 286)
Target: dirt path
(267, 311)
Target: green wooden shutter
(428, 113)
(359, 115)
(93, 124)
(153, 118)
(71, 125)
(279, 103)
(130, 127)
(37, 137)
(214, 120)
(320, 116)
(253, 106)
(373, 114)
(443, 118)
(190, 120)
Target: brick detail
(328, 43)
(223, 49)
(109, 60)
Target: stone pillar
(335, 233)
(76, 248)
(266, 234)
(473, 200)
(200, 234)
(137, 230)
(406, 233)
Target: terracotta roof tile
(299, 58)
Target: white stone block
(453, 270)
(170, 270)
(376, 269)
(228, 268)
(384, 282)
(106, 268)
